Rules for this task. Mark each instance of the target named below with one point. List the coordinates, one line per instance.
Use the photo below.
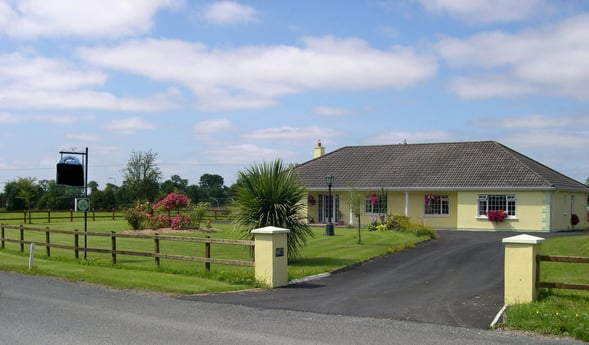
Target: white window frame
(372, 208)
(483, 199)
(444, 205)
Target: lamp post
(329, 225)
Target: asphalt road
(456, 280)
(48, 311)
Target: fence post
(271, 255)
(22, 239)
(113, 240)
(113, 214)
(48, 216)
(93, 214)
(47, 242)
(520, 268)
(76, 244)
(208, 253)
(71, 215)
(3, 245)
(156, 243)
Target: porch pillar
(406, 204)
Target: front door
(324, 206)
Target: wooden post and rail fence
(46, 216)
(269, 244)
(522, 269)
(114, 251)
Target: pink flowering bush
(180, 222)
(172, 201)
(497, 215)
(138, 217)
(144, 215)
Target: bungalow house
(464, 185)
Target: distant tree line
(142, 181)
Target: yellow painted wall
(562, 211)
(532, 212)
(536, 210)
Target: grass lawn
(557, 311)
(322, 254)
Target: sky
(215, 87)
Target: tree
(213, 187)
(269, 195)
(27, 190)
(356, 203)
(175, 184)
(142, 175)
(10, 193)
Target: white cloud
(331, 111)
(9, 118)
(85, 137)
(210, 126)
(256, 76)
(89, 18)
(246, 154)
(537, 122)
(552, 60)
(41, 83)
(291, 133)
(229, 12)
(128, 125)
(485, 11)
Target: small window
(374, 205)
(436, 205)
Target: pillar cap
(524, 239)
(270, 230)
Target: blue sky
(217, 86)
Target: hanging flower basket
(497, 215)
(311, 200)
(574, 219)
(373, 198)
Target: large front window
(496, 202)
(436, 204)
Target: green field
(322, 254)
(557, 311)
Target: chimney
(319, 150)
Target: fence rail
(156, 238)
(557, 258)
(27, 216)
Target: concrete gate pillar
(271, 255)
(520, 268)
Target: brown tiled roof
(448, 166)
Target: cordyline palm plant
(269, 195)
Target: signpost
(71, 172)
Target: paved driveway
(456, 280)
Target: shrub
(401, 223)
(180, 222)
(196, 213)
(138, 216)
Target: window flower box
(497, 215)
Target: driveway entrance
(456, 280)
